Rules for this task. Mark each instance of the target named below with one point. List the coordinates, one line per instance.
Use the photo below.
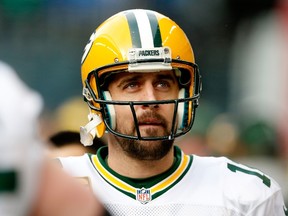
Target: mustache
(151, 117)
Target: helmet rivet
(166, 50)
(177, 57)
(116, 60)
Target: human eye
(131, 86)
(163, 85)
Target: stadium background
(44, 41)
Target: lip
(150, 122)
(150, 125)
(146, 127)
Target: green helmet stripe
(134, 30)
(155, 29)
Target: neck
(131, 167)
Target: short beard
(145, 150)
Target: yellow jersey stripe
(172, 178)
(110, 178)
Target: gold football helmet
(137, 41)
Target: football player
(142, 86)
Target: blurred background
(241, 47)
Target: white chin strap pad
(110, 110)
(88, 132)
(181, 110)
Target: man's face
(153, 119)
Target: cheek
(124, 115)
(167, 110)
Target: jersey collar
(152, 187)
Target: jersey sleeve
(253, 192)
(272, 206)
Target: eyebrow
(129, 78)
(135, 77)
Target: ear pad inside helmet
(110, 110)
(182, 111)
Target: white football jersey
(202, 186)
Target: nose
(149, 94)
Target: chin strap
(88, 132)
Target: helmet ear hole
(182, 110)
(184, 77)
(109, 110)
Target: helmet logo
(88, 46)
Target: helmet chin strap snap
(88, 132)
